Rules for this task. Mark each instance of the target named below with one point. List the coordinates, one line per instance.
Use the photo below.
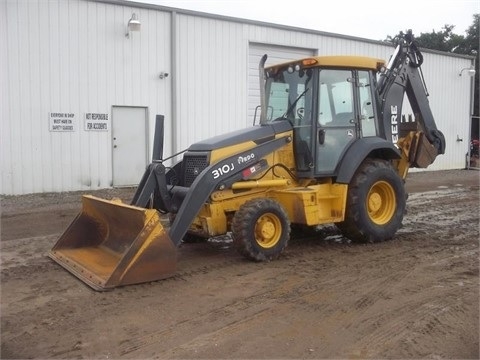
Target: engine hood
(258, 134)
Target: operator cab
(330, 103)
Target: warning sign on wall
(96, 122)
(61, 121)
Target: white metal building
(79, 97)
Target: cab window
(366, 104)
(336, 106)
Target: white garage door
(276, 54)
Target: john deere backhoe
(330, 147)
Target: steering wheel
(300, 113)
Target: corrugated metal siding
(4, 106)
(72, 56)
(210, 78)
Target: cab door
(337, 124)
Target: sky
(370, 19)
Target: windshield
(288, 95)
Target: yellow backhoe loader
(331, 146)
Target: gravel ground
(415, 296)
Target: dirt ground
(415, 296)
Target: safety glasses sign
(61, 121)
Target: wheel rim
(268, 230)
(381, 202)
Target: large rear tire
(375, 203)
(261, 229)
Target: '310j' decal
(225, 169)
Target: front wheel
(261, 229)
(375, 203)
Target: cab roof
(343, 61)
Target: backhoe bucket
(111, 244)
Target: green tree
(444, 40)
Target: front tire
(375, 203)
(261, 229)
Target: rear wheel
(375, 203)
(261, 229)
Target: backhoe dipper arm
(404, 74)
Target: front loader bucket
(111, 244)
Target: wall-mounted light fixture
(470, 71)
(132, 25)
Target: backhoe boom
(403, 75)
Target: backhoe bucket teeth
(111, 244)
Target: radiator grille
(193, 166)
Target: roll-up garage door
(276, 54)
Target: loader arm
(211, 179)
(404, 75)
